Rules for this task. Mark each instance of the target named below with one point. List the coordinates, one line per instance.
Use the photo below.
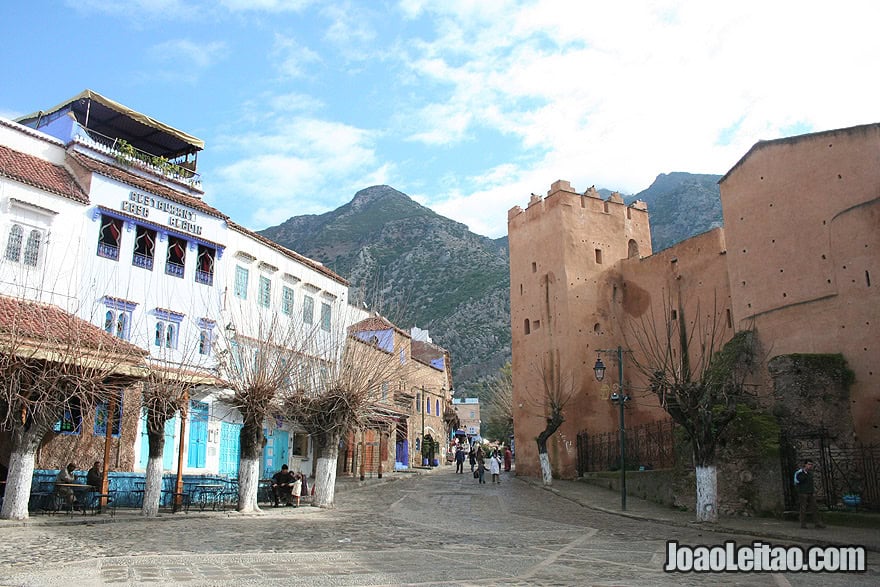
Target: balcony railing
(205, 277)
(126, 154)
(174, 269)
(108, 251)
(143, 261)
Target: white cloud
(266, 5)
(197, 55)
(291, 58)
(287, 171)
(615, 94)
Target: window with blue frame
(326, 314)
(71, 419)
(286, 300)
(117, 317)
(144, 247)
(102, 415)
(206, 335)
(265, 292)
(308, 310)
(240, 288)
(167, 328)
(175, 258)
(109, 237)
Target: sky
(467, 107)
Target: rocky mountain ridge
(420, 268)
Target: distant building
(468, 410)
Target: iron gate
(651, 446)
(841, 469)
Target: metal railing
(127, 154)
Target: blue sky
(467, 107)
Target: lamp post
(620, 397)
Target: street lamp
(620, 398)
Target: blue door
(169, 450)
(275, 452)
(198, 435)
(230, 448)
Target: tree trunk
(546, 472)
(707, 482)
(18, 485)
(152, 487)
(249, 465)
(153, 481)
(20, 476)
(553, 424)
(707, 494)
(325, 476)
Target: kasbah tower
(797, 260)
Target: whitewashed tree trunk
(707, 493)
(152, 487)
(546, 471)
(325, 476)
(248, 483)
(18, 485)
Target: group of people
(480, 461)
(289, 486)
(76, 496)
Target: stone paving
(434, 529)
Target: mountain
(423, 269)
(681, 205)
(426, 270)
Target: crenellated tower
(566, 251)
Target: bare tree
(166, 391)
(499, 405)
(51, 362)
(556, 391)
(698, 375)
(335, 397)
(260, 368)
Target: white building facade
(103, 216)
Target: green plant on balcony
(125, 152)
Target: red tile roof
(39, 173)
(376, 323)
(139, 182)
(52, 325)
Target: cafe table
(208, 493)
(79, 491)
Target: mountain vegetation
(418, 268)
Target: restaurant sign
(179, 217)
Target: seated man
(66, 476)
(282, 484)
(95, 477)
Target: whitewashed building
(103, 216)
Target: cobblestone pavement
(434, 529)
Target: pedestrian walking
(472, 457)
(508, 457)
(803, 482)
(481, 464)
(495, 466)
(459, 459)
